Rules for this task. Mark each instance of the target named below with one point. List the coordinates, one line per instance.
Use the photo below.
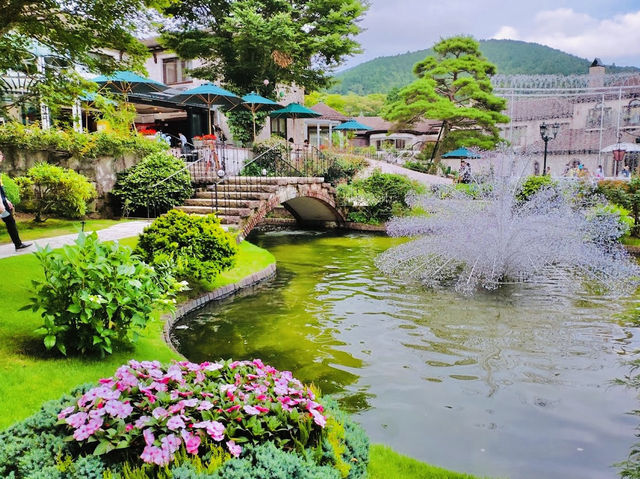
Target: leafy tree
(72, 32)
(244, 42)
(351, 104)
(454, 87)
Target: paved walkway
(399, 170)
(123, 230)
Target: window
(279, 127)
(174, 71)
(632, 113)
(598, 115)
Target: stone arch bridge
(243, 201)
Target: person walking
(6, 213)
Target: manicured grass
(53, 227)
(29, 375)
(384, 463)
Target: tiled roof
(328, 113)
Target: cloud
(612, 38)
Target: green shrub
(195, 247)
(531, 185)
(48, 190)
(377, 198)
(11, 189)
(86, 145)
(94, 293)
(625, 194)
(611, 222)
(345, 167)
(145, 185)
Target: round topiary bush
(158, 183)
(229, 419)
(196, 248)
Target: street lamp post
(547, 132)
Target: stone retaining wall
(191, 305)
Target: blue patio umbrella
(126, 82)
(254, 102)
(352, 125)
(461, 152)
(209, 94)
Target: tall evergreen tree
(453, 86)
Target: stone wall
(100, 171)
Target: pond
(512, 383)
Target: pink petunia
(65, 412)
(252, 411)
(78, 419)
(191, 442)
(175, 422)
(149, 438)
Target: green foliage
(349, 105)
(196, 248)
(377, 198)
(49, 190)
(453, 86)
(531, 185)
(616, 221)
(119, 114)
(158, 182)
(625, 194)
(268, 159)
(72, 33)
(244, 42)
(383, 74)
(241, 124)
(85, 145)
(11, 189)
(345, 167)
(95, 293)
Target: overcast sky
(608, 29)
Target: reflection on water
(510, 383)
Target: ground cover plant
(50, 190)
(157, 183)
(147, 412)
(194, 248)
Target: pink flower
(252, 411)
(215, 429)
(233, 408)
(170, 443)
(205, 406)
(210, 366)
(65, 412)
(175, 423)
(261, 397)
(118, 409)
(149, 438)
(234, 449)
(191, 442)
(160, 413)
(78, 419)
(142, 421)
(155, 455)
(262, 409)
(128, 427)
(318, 418)
(86, 430)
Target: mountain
(510, 56)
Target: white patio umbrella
(621, 146)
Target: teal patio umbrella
(209, 94)
(126, 83)
(254, 103)
(461, 153)
(293, 111)
(352, 125)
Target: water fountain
(497, 238)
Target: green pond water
(513, 383)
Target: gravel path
(119, 231)
(399, 170)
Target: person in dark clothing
(6, 213)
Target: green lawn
(631, 241)
(53, 227)
(30, 376)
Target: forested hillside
(511, 57)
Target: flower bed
(216, 417)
